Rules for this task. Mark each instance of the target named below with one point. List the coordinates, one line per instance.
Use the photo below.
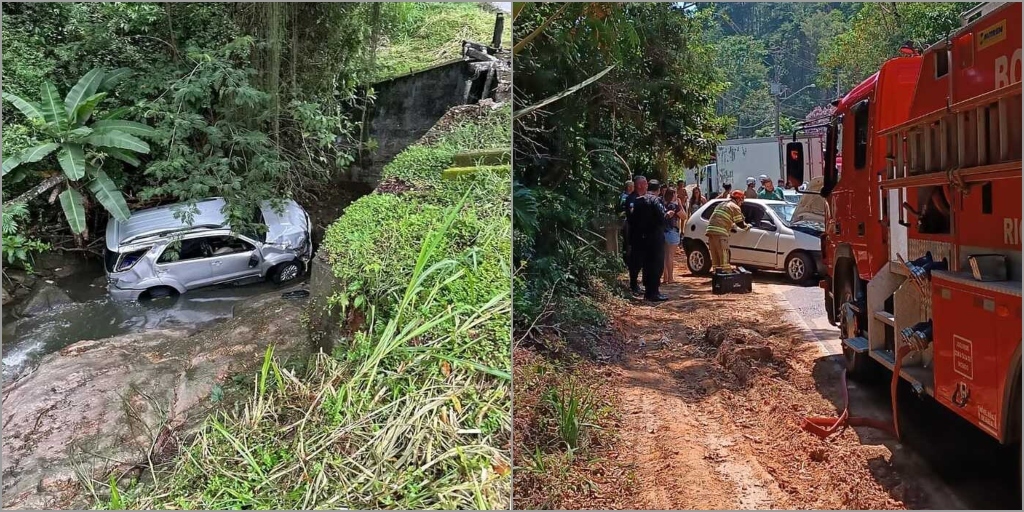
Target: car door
(186, 262)
(232, 259)
(757, 247)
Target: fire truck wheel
(858, 365)
(698, 259)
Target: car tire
(799, 268)
(286, 272)
(698, 259)
(158, 292)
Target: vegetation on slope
(246, 101)
(426, 34)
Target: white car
(773, 242)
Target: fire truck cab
(922, 245)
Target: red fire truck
(922, 240)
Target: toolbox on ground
(734, 282)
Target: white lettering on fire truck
(963, 357)
(1008, 69)
(1011, 231)
(987, 418)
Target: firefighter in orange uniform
(726, 217)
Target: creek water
(95, 316)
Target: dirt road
(712, 389)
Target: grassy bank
(413, 410)
(427, 34)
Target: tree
(646, 106)
(79, 146)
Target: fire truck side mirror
(795, 164)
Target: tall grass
(374, 431)
(423, 34)
(572, 412)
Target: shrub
(373, 246)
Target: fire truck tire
(830, 305)
(1015, 430)
(859, 366)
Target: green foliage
(18, 248)
(876, 31)
(832, 45)
(226, 121)
(373, 246)
(418, 35)
(420, 165)
(653, 111)
(79, 148)
(572, 411)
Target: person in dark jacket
(634, 258)
(647, 224)
(626, 197)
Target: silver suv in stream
(155, 254)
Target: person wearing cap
(769, 190)
(726, 190)
(727, 217)
(750, 192)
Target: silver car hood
(290, 225)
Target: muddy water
(94, 316)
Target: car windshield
(792, 198)
(784, 211)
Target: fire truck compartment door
(897, 232)
(968, 373)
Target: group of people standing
(653, 218)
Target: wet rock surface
(44, 297)
(100, 407)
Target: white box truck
(739, 159)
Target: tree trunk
(274, 21)
(374, 41)
(170, 31)
(295, 48)
(39, 189)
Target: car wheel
(286, 272)
(799, 267)
(158, 292)
(698, 259)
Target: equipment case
(736, 282)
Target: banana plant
(80, 146)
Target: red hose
(823, 427)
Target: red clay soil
(710, 392)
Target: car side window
(223, 245)
(706, 214)
(752, 213)
(188, 249)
